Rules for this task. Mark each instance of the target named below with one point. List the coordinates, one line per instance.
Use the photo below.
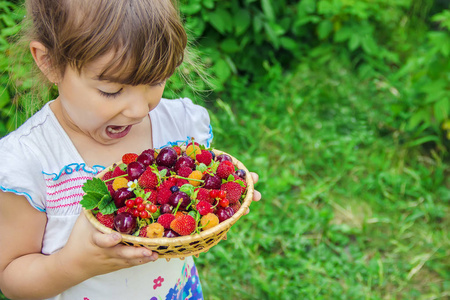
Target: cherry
(177, 197)
(121, 195)
(124, 222)
(184, 161)
(147, 158)
(212, 182)
(223, 157)
(135, 169)
(167, 157)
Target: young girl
(110, 60)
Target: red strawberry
(204, 157)
(225, 169)
(148, 179)
(183, 225)
(165, 220)
(108, 175)
(143, 231)
(236, 206)
(181, 182)
(163, 196)
(107, 220)
(129, 157)
(122, 209)
(152, 196)
(178, 149)
(203, 195)
(234, 191)
(204, 207)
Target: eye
(110, 95)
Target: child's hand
(96, 253)
(256, 194)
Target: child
(110, 60)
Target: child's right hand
(88, 250)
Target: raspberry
(155, 230)
(165, 220)
(183, 225)
(181, 182)
(204, 157)
(236, 206)
(203, 195)
(225, 169)
(167, 184)
(107, 220)
(129, 157)
(122, 209)
(184, 171)
(148, 179)
(119, 170)
(120, 183)
(204, 208)
(193, 150)
(108, 175)
(208, 221)
(195, 175)
(234, 191)
(163, 196)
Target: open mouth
(116, 132)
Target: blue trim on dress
(24, 194)
(188, 140)
(75, 167)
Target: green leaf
(324, 29)
(241, 21)
(229, 45)
(441, 110)
(89, 201)
(268, 10)
(220, 19)
(288, 43)
(106, 205)
(95, 185)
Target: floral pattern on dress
(188, 288)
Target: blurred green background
(342, 107)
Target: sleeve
(21, 173)
(198, 121)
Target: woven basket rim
(181, 240)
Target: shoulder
(181, 121)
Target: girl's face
(102, 110)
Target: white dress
(41, 163)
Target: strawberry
(183, 225)
(236, 206)
(234, 191)
(122, 209)
(143, 231)
(148, 179)
(107, 220)
(178, 149)
(165, 220)
(152, 195)
(204, 157)
(129, 157)
(204, 207)
(108, 175)
(225, 169)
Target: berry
(163, 196)
(148, 179)
(234, 191)
(129, 157)
(193, 150)
(183, 225)
(223, 157)
(181, 182)
(165, 220)
(196, 175)
(184, 171)
(212, 182)
(174, 189)
(135, 169)
(166, 208)
(224, 202)
(143, 214)
(143, 231)
(208, 221)
(152, 195)
(119, 183)
(121, 195)
(107, 220)
(225, 169)
(177, 149)
(236, 206)
(204, 208)
(184, 161)
(241, 173)
(177, 197)
(122, 209)
(155, 230)
(224, 213)
(130, 203)
(107, 175)
(125, 222)
(119, 170)
(204, 157)
(167, 157)
(170, 233)
(203, 195)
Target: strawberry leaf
(106, 205)
(95, 185)
(90, 201)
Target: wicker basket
(183, 246)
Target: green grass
(348, 211)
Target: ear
(40, 55)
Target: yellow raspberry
(155, 230)
(120, 183)
(192, 151)
(208, 221)
(196, 174)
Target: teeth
(116, 129)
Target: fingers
(256, 195)
(255, 177)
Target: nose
(137, 106)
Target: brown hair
(146, 36)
